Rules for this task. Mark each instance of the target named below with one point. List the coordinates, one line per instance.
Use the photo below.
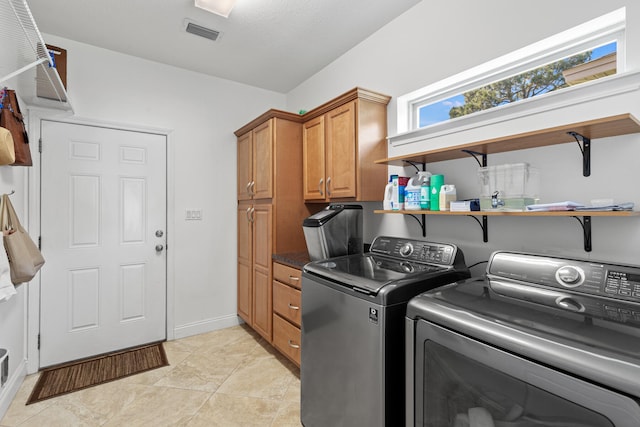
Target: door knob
(159, 233)
(159, 248)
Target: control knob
(406, 249)
(570, 276)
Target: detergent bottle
(388, 195)
(412, 194)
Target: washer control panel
(415, 250)
(588, 277)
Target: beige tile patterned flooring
(230, 377)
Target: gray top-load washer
(556, 338)
(353, 308)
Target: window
(590, 51)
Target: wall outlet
(193, 214)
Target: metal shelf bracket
(586, 231)
(484, 225)
(415, 165)
(475, 155)
(585, 149)
(423, 223)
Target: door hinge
(39, 243)
(38, 341)
(40, 145)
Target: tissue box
(516, 185)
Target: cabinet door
(263, 161)
(245, 166)
(313, 163)
(245, 263)
(341, 151)
(262, 293)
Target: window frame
(599, 31)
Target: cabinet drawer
(286, 338)
(285, 274)
(286, 302)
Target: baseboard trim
(11, 387)
(204, 326)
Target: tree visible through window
(588, 65)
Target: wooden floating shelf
(583, 217)
(581, 132)
(524, 213)
(622, 124)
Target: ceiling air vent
(201, 31)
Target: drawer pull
(294, 278)
(293, 307)
(293, 345)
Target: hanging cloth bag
(7, 153)
(7, 290)
(25, 260)
(12, 120)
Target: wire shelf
(23, 51)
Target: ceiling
(271, 44)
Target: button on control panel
(623, 284)
(415, 250)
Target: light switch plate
(193, 214)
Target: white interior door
(103, 223)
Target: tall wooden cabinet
(255, 154)
(270, 209)
(341, 140)
(286, 160)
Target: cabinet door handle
(252, 186)
(293, 307)
(293, 344)
(248, 188)
(250, 212)
(294, 278)
(320, 186)
(329, 187)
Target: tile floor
(230, 377)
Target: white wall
(13, 312)
(201, 113)
(434, 40)
(429, 42)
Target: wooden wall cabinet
(255, 154)
(285, 160)
(341, 140)
(270, 215)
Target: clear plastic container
(508, 187)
